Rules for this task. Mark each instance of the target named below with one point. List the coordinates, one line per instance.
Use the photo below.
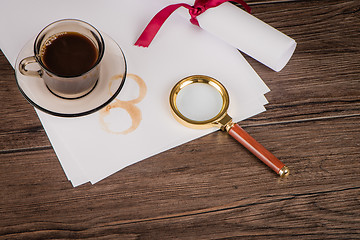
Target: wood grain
(20, 127)
(213, 188)
(180, 194)
(322, 78)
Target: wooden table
(213, 188)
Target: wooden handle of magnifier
(258, 150)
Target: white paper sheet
(85, 150)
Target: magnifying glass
(201, 102)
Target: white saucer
(36, 92)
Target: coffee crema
(69, 54)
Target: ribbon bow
(158, 20)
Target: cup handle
(26, 72)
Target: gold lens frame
(204, 80)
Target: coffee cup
(69, 53)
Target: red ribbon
(158, 20)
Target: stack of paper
(88, 151)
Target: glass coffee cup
(69, 53)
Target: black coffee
(69, 54)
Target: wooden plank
(323, 77)
(220, 191)
(20, 127)
(281, 219)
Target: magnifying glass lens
(199, 101)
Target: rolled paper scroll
(159, 19)
(248, 34)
